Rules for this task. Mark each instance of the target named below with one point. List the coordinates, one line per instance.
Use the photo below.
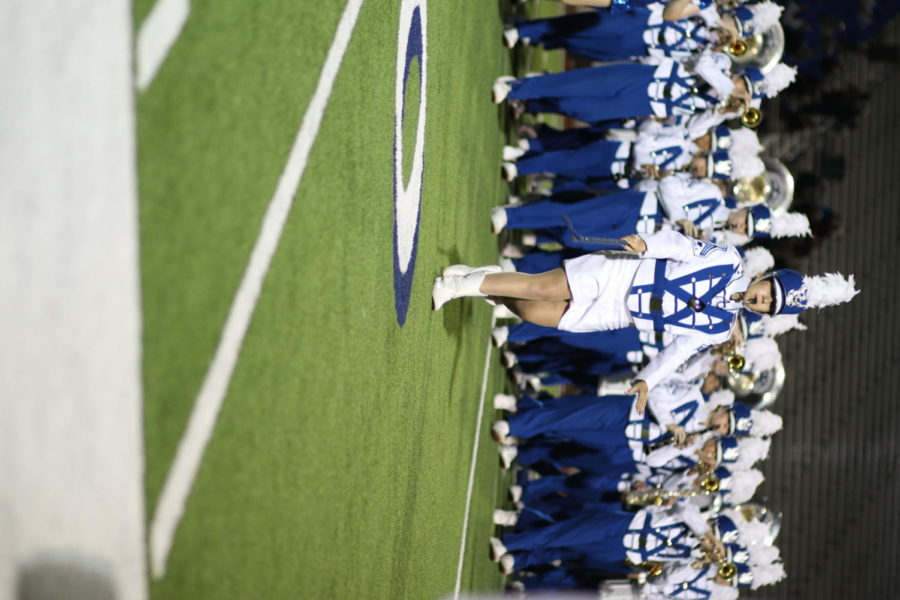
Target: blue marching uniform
(616, 91)
(549, 138)
(562, 415)
(611, 216)
(586, 532)
(627, 342)
(607, 35)
(596, 557)
(567, 364)
(598, 35)
(605, 423)
(601, 158)
(592, 94)
(584, 181)
(609, 535)
(583, 486)
(550, 456)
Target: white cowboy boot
(505, 402)
(456, 286)
(505, 518)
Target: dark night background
(833, 470)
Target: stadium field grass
(339, 464)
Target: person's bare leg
(547, 286)
(539, 312)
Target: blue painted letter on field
(411, 47)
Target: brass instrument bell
(752, 117)
(736, 362)
(726, 570)
(710, 483)
(737, 48)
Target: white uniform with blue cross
(664, 535)
(679, 285)
(687, 291)
(680, 581)
(699, 201)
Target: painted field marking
(412, 43)
(157, 36)
(469, 488)
(209, 401)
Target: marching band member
(621, 91)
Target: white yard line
(206, 408)
(71, 452)
(157, 36)
(465, 529)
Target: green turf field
(339, 464)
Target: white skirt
(600, 284)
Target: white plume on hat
(764, 554)
(765, 423)
(751, 450)
(750, 531)
(757, 260)
(744, 142)
(747, 167)
(721, 398)
(761, 354)
(778, 79)
(744, 154)
(742, 486)
(767, 575)
(765, 15)
(777, 324)
(790, 224)
(827, 290)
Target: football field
(312, 429)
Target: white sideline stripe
(206, 408)
(465, 530)
(157, 36)
(71, 436)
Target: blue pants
(551, 455)
(581, 487)
(610, 216)
(598, 35)
(570, 416)
(607, 342)
(586, 182)
(617, 91)
(556, 579)
(599, 531)
(570, 364)
(596, 157)
(549, 138)
(553, 509)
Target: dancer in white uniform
(691, 288)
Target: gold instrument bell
(752, 117)
(726, 570)
(737, 48)
(775, 187)
(735, 362)
(762, 50)
(710, 484)
(751, 190)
